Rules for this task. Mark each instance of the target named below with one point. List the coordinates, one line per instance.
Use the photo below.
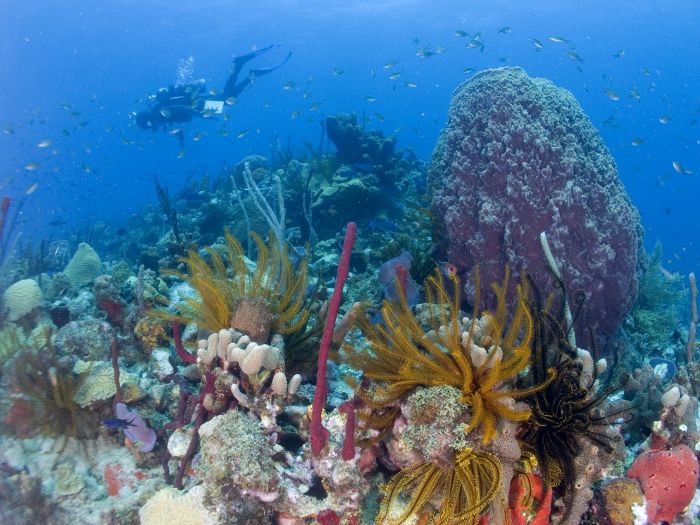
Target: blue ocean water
(74, 75)
(74, 71)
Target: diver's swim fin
(265, 71)
(239, 61)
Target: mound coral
(254, 303)
(518, 155)
(84, 267)
(21, 298)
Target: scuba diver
(178, 104)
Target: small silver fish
(611, 94)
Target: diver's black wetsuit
(179, 104)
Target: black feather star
(568, 410)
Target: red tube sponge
(319, 435)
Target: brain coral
(21, 298)
(518, 157)
(169, 506)
(84, 267)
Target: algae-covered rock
(428, 410)
(68, 481)
(85, 339)
(236, 452)
(84, 267)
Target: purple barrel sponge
(137, 430)
(518, 157)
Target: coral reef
(356, 145)
(656, 312)
(518, 155)
(304, 385)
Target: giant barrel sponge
(518, 157)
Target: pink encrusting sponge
(668, 479)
